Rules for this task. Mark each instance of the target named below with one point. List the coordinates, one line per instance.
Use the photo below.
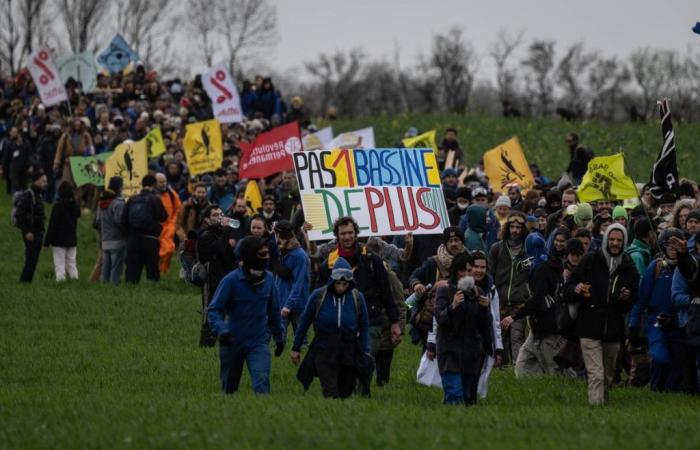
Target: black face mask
(551, 209)
(257, 263)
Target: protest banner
(317, 140)
(81, 68)
(425, 140)
(253, 198)
(129, 161)
(506, 164)
(388, 191)
(270, 153)
(363, 138)
(155, 143)
(203, 147)
(117, 55)
(225, 101)
(89, 169)
(46, 77)
(605, 179)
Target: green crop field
(90, 366)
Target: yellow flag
(506, 164)
(606, 180)
(203, 147)
(253, 198)
(425, 140)
(129, 161)
(155, 143)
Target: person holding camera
(464, 334)
(661, 325)
(244, 313)
(604, 285)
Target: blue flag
(116, 55)
(696, 28)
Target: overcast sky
(309, 27)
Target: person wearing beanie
(141, 220)
(463, 197)
(29, 217)
(641, 248)
(292, 278)
(583, 215)
(619, 215)
(510, 273)
(516, 197)
(429, 274)
(604, 286)
(502, 209)
(244, 314)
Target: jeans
(142, 251)
(459, 388)
(112, 265)
(64, 263)
(255, 356)
(32, 250)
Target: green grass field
(89, 366)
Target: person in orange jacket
(172, 204)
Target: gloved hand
(226, 339)
(279, 348)
(283, 271)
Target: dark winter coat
(30, 212)
(213, 248)
(63, 223)
(544, 283)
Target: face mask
(258, 264)
(462, 206)
(268, 215)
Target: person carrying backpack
(142, 216)
(28, 216)
(338, 313)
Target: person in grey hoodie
(109, 218)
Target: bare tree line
(532, 79)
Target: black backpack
(140, 214)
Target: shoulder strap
(319, 300)
(356, 301)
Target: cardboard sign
(46, 77)
(387, 191)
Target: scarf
(444, 257)
(289, 245)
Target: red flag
(271, 152)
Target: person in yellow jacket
(172, 204)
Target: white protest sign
(225, 101)
(46, 77)
(318, 140)
(363, 138)
(387, 191)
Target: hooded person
(172, 204)
(476, 220)
(604, 285)
(243, 314)
(110, 208)
(339, 352)
(641, 248)
(291, 274)
(655, 303)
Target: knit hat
(115, 184)
(503, 200)
(619, 211)
(694, 214)
(574, 246)
(553, 196)
(452, 232)
(449, 172)
(583, 214)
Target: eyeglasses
(341, 274)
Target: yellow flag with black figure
(425, 140)
(606, 180)
(253, 198)
(155, 143)
(506, 164)
(203, 147)
(129, 161)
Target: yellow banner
(155, 143)
(425, 140)
(203, 147)
(129, 161)
(506, 164)
(606, 180)
(253, 198)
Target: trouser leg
(72, 263)
(346, 381)
(59, 262)
(592, 352)
(151, 258)
(134, 260)
(527, 362)
(469, 387)
(383, 366)
(611, 352)
(328, 375)
(232, 360)
(259, 363)
(452, 388)
(32, 250)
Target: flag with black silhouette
(664, 175)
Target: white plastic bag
(428, 373)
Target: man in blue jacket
(291, 275)
(247, 296)
(341, 333)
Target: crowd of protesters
(537, 280)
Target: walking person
(62, 233)
(110, 209)
(292, 276)
(172, 204)
(29, 218)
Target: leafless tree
(23, 27)
(571, 76)
(246, 25)
(454, 66)
(10, 54)
(202, 22)
(82, 20)
(539, 66)
(501, 52)
(606, 80)
(337, 75)
(650, 71)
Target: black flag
(664, 175)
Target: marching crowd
(538, 281)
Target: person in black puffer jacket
(62, 235)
